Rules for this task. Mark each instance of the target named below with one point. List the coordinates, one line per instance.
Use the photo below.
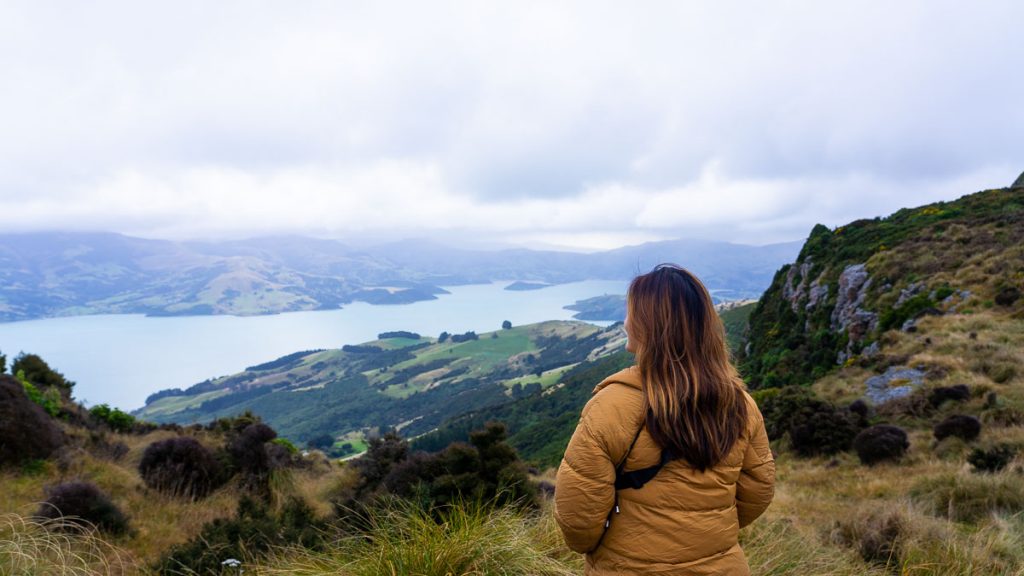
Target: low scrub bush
(181, 466)
(252, 532)
(956, 393)
(881, 443)
(248, 449)
(1007, 296)
(83, 501)
(970, 497)
(960, 425)
(26, 431)
(114, 418)
(993, 458)
(39, 373)
(827, 431)
(485, 469)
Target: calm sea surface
(120, 359)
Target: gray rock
(879, 388)
(912, 289)
(792, 291)
(871, 351)
(816, 294)
(1019, 182)
(853, 287)
(909, 326)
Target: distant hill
(59, 274)
(409, 384)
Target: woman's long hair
(693, 396)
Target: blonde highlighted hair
(693, 396)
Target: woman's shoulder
(628, 378)
(616, 408)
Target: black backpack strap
(636, 479)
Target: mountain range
(50, 274)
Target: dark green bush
(485, 469)
(253, 531)
(992, 459)
(83, 501)
(39, 373)
(956, 393)
(1007, 296)
(880, 443)
(117, 420)
(181, 466)
(960, 425)
(786, 407)
(895, 317)
(826, 431)
(814, 426)
(26, 431)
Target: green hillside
(852, 284)
(404, 383)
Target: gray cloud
(598, 122)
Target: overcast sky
(588, 125)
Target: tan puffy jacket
(681, 522)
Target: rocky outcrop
(848, 315)
(1019, 182)
(897, 382)
(796, 291)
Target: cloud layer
(584, 124)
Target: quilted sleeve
(756, 485)
(585, 486)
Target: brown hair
(693, 396)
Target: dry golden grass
(56, 547)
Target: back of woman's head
(692, 393)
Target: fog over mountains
(58, 273)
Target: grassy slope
(415, 384)
(974, 243)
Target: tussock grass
(471, 539)
(968, 497)
(30, 546)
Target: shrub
(960, 425)
(785, 407)
(992, 459)
(880, 443)
(1007, 296)
(254, 530)
(254, 458)
(486, 469)
(38, 372)
(82, 501)
(860, 408)
(26, 431)
(117, 420)
(957, 393)
(181, 466)
(826, 431)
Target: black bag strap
(636, 479)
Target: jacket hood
(630, 377)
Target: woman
(689, 444)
